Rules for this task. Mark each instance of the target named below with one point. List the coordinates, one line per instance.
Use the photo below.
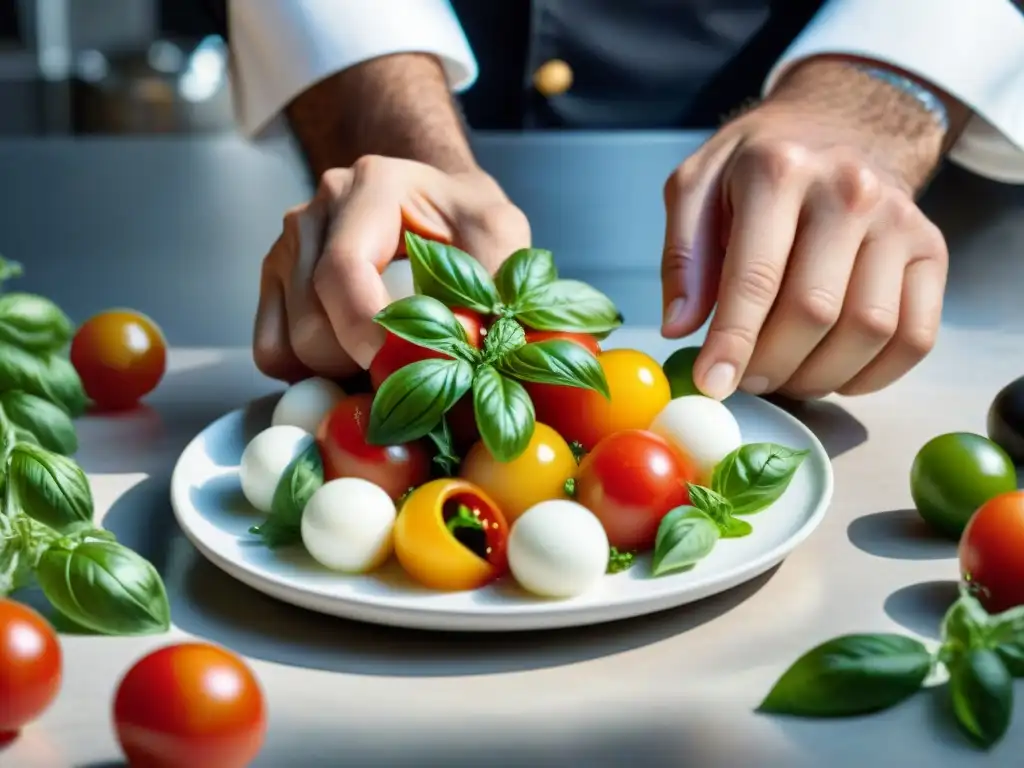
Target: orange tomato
(638, 387)
(536, 475)
(121, 356)
(450, 535)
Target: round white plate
(212, 512)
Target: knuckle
(877, 323)
(918, 340)
(332, 183)
(680, 181)
(758, 281)
(777, 161)
(901, 212)
(856, 186)
(819, 307)
(676, 258)
(935, 245)
(738, 339)
(503, 221)
(371, 165)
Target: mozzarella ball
(306, 403)
(266, 458)
(397, 279)
(700, 427)
(558, 548)
(347, 525)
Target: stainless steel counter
(135, 223)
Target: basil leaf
(105, 587)
(504, 413)
(524, 271)
(568, 305)
(718, 508)
(15, 571)
(33, 323)
(300, 480)
(39, 421)
(686, 535)
(755, 475)
(964, 626)
(735, 528)
(412, 400)
(504, 337)
(447, 457)
(981, 691)
(49, 487)
(556, 361)
(851, 675)
(449, 275)
(426, 322)
(1006, 637)
(51, 377)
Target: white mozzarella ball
(266, 458)
(701, 427)
(347, 525)
(397, 279)
(558, 548)
(305, 403)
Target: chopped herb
(620, 561)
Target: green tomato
(954, 474)
(679, 372)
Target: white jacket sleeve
(280, 48)
(972, 49)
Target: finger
(766, 189)
(832, 226)
(695, 235)
(868, 321)
(271, 348)
(924, 282)
(493, 233)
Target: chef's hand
(321, 283)
(799, 219)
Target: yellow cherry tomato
(638, 387)
(450, 535)
(537, 474)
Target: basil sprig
(859, 674)
(755, 475)
(36, 420)
(300, 480)
(451, 276)
(687, 534)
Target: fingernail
(755, 385)
(673, 312)
(720, 380)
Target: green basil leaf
(981, 691)
(718, 508)
(51, 377)
(447, 457)
(686, 535)
(851, 675)
(504, 413)
(755, 475)
(15, 571)
(412, 400)
(39, 421)
(1006, 636)
(964, 626)
(426, 322)
(49, 487)
(33, 323)
(735, 528)
(556, 361)
(524, 271)
(504, 337)
(300, 480)
(105, 587)
(449, 275)
(568, 305)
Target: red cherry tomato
(630, 481)
(342, 438)
(192, 704)
(992, 552)
(585, 340)
(30, 666)
(398, 353)
(120, 356)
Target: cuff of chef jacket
(280, 48)
(972, 49)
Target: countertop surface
(677, 688)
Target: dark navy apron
(635, 63)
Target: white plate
(207, 500)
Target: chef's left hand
(799, 220)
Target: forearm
(398, 106)
(886, 120)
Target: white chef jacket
(972, 49)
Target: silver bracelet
(931, 103)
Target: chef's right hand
(321, 283)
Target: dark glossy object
(1006, 420)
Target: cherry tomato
(398, 353)
(346, 453)
(585, 340)
(992, 552)
(536, 475)
(638, 387)
(630, 481)
(191, 704)
(30, 666)
(451, 535)
(120, 356)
